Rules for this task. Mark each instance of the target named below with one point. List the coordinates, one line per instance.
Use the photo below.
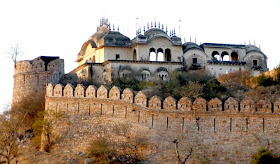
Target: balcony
(226, 62)
(195, 66)
(257, 67)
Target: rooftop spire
(104, 22)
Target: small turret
(31, 76)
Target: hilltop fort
(221, 131)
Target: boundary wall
(224, 132)
(169, 114)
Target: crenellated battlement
(39, 64)
(231, 105)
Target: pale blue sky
(60, 27)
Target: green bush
(265, 81)
(101, 150)
(213, 89)
(37, 128)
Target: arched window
(152, 55)
(216, 56)
(160, 56)
(145, 74)
(134, 55)
(167, 55)
(162, 74)
(225, 56)
(234, 56)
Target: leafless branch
(14, 52)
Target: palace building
(152, 54)
(108, 54)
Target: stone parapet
(231, 105)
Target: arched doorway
(216, 56)
(225, 56)
(160, 56)
(234, 56)
(167, 55)
(152, 55)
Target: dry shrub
(27, 111)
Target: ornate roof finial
(162, 27)
(104, 22)
(144, 29)
(118, 29)
(174, 32)
(151, 24)
(195, 40)
(166, 30)
(155, 24)
(170, 33)
(148, 26)
(249, 42)
(190, 39)
(113, 27)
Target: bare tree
(14, 52)
(182, 161)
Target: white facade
(154, 54)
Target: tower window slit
(214, 125)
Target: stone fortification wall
(229, 131)
(231, 105)
(32, 76)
